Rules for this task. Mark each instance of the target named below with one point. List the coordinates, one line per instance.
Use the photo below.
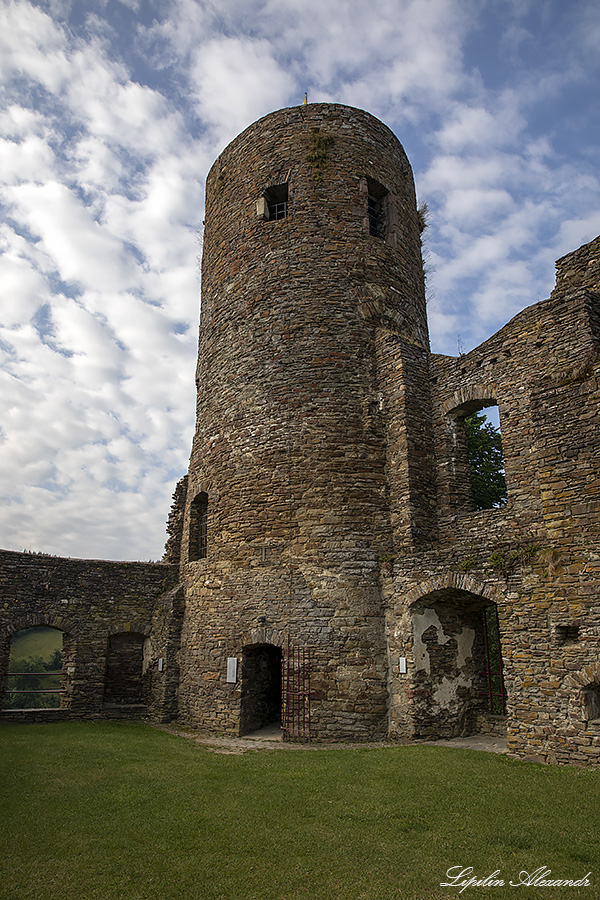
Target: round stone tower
(313, 326)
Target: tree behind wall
(486, 462)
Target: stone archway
(261, 687)
(455, 663)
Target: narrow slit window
(198, 540)
(376, 208)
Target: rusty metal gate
(494, 675)
(295, 693)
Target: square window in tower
(277, 202)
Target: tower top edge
(309, 114)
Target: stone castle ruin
(326, 566)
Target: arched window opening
(35, 670)
(124, 669)
(476, 456)
(486, 458)
(198, 537)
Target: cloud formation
(111, 116)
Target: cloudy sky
(111, 114)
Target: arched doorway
(261, 687)
(458, 684)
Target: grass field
(36, 642)
(121, 811)
(33, 651)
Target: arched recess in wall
(585, 699)
(124, 677)
(198, 530)
(38, 663)
(475, 450)
(458, 680)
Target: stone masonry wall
(330, 458)
(290, 444)
(538, 558)
(89, 601)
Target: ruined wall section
(551, 342)
(538, 558)
(88, 600)
(579, 269)
(172, 554)
(406, 409)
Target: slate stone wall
(331, 445)
(538, 558)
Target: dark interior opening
(198, 537)
(124, 669)
(277, 201)
(376, 207)
(261, 687)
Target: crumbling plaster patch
(426, 619)
(464, 641)
(421, 622)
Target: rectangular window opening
(486, 458)
(277, 202)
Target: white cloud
(236, 81)
(83, 251)
(31, 44)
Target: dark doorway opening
(124, 669)
(261, 687)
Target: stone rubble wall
(330, 444)
(88, 600)
(538, 558)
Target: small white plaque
(161, 664)
(402, 665)
(232, 669)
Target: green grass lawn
(124, 811)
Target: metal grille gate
(496, 693)
(295, 693)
